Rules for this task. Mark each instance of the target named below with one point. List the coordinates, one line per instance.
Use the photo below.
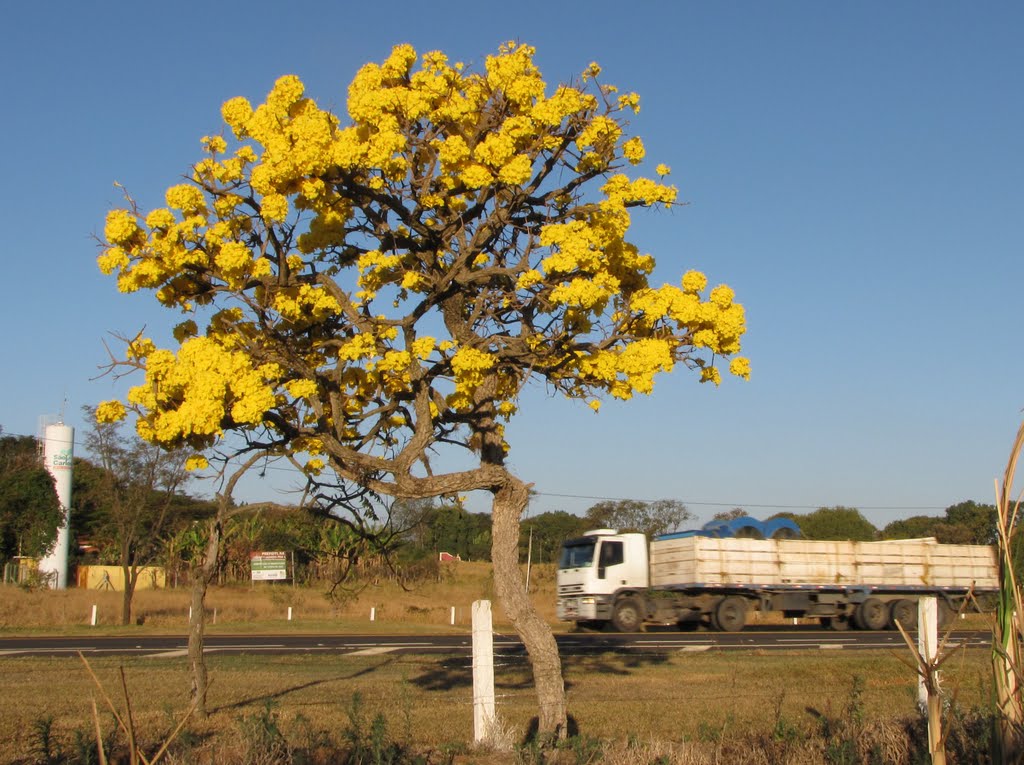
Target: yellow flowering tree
(361, 291)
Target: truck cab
(593, 569)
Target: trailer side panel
(903, 564)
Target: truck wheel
(904, 613)
(731, 614)
(627, 615)
(872, 614)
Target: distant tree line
(130, 509)
(963, 523)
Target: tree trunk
(129, 582)
(201, 576)
(509, 503)
(196, 630)
(131, 578)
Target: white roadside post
(927, 642)
(483, 671)
(928, 645)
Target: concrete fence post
(928, 645)
(483, 671)
(927, 641)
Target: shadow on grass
(512, 668)
(611, 664)
(266, 697)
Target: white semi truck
(619, 580)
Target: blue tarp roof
(776, 528)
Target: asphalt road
(174, 646)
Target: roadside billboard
(268, 566)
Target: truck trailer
(607, 579)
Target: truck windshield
(577, 553)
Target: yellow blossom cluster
(192, 395)
(301, 388)
(196, 462)
(110, 411)
(296, 135)
(121, 228)
(391, 372)
(305, 304)
(469, 367)
(362, 346)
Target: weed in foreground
(783, 731)
(262, 742)
(45, 748)
(372, 744)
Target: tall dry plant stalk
(1008, 628)
(928, 668)
(126, 722)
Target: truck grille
(569, 589)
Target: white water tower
(58, 453)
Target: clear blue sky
(853, 170)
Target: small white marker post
(373, 614)
(289, 613)
(483, 670)
(92, 622)
(453, 616)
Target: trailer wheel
(872, 614)
(731, 614)
(627, 616)
(904, 613)
(837, 623)
(713, 619)
(946, 613)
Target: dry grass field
(664, 707)
(264, 606)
